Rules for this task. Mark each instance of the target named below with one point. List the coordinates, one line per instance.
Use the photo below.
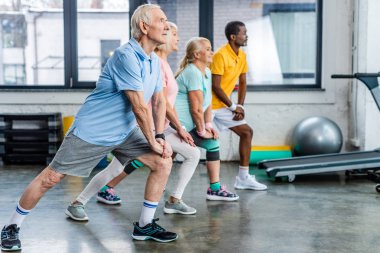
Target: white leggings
(186, 170)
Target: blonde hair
(142, 13)
(194, 45)
(166, 45)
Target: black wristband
(160, 136)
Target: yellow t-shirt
(230, 66)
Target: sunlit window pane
(282, 38)
(31, 44)
(103, 26)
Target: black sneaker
(152, 231)
(9, 238)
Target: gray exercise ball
(316, 135)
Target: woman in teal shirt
(193, 105)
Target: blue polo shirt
(106, 117)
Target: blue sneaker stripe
(148, 230)
(21, 212)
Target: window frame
(206, 26)
(268, 8)
(280, 87)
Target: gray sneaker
(178, 207)
(76, 212)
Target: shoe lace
(156, 226)
(223, 188)
(11, 232)
(111, 191)
(78, 206)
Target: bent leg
(99, 180)
(245, 133)
(39, 186)
(159, 172)
(188, 166)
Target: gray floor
(319, 213)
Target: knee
(50, 178)
(193, 154)
(247, 133)
(164, 166)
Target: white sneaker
(249, 183)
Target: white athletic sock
(100, 180)
(147, 212)
(243, 172)
(18, 216)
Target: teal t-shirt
(191, 78)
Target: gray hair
(142, 13)
(168, 37)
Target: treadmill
(362, 160)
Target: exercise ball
(316, 135)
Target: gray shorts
(77, 157)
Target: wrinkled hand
(186, 137)
(162, 148)
(213, 132)
(167, 148)
(207, 135)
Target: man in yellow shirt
(230, 65)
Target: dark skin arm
(242, 91)
(218, 91)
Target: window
(59, 43)
(14, 74)
(185, 14)
(103, 25)
(32, 43)
(13, 27)
(283, 47)
(65, 43)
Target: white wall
(365, 115)
(372, 62)
(272, 114)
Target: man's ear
(233, 37)
(143, 27)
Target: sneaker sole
(172, 211)
(104, 201)
(12, 249)
(208, 197)
(250, 188)
(146, 237)
(75, 218)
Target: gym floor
(316, 213)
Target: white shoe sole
(104, 201)
(211, 197)
(250, 188)
(146, 237)
(14, 248)
(75, 218)
(171, 211)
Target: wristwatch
(160, 136)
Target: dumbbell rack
(29, 138)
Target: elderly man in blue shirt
(108, 120)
